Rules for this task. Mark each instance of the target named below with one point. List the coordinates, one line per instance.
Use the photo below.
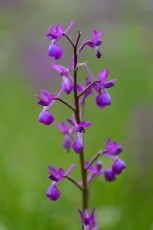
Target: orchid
(76, 128)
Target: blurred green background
(27, 147)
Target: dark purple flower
(55, 51)
(46, 98)
(118, 165)
(67, 79)
(95, 42)
(103, 99)
(109, 175)
(64, 128)
(112, 148)
(53, 193)
(59, 31)
(88, 221)
(46, 117)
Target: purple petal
(104, 99)
(63, 71)
(71, 122)
(109, 175)
(102, 77)
(69, 26)
(118, 165)
(63, 127)
(46, 117)
(78, 144)
(55, 51)
(70, 169)
(96, 37)
(53, 193)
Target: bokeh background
(27, 147)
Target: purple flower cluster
(75, 128)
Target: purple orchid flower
(55, 35)
(67, 79)
(46, 100)
(79, 129)
(88, 221)
(95, 42)
(64, 128)
(104, 98)
(112, 149)
(59, 31)
(56, 176)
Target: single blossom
(88, 221)
(55, 35)
(46, 100)
(67, 82)
(56, 175)
(112, 148)
(95, 42)
(79, 129)
(59, 31)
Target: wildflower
(79, 129)
(112, 148)
(56, 176)
(55, 35)
(46, 100)
(88, 221)
(95, 42)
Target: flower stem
(77, 116)
(64, 102)
(74, 182)
(69, 39)
(93, 160)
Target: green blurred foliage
(27, 147)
